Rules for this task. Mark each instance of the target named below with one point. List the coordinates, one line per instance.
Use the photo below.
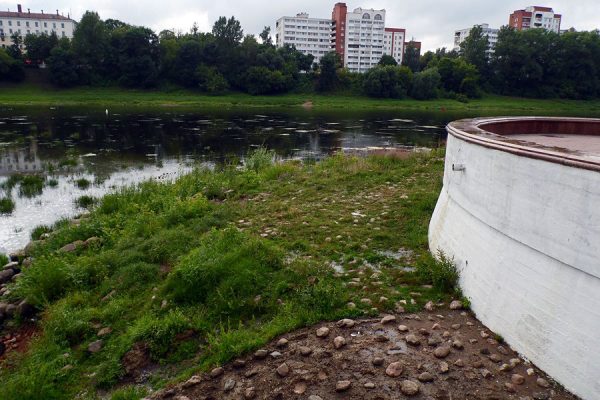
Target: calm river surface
(125, 146)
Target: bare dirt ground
(443, 354)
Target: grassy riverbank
(190, 274)
(20, 95)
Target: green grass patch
(38, 231)
(85, 201)
(7, 205)
(83, 183)
(217, 264)
(30, 94)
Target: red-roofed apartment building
(25, 23)
(535, 17)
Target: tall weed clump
(259, 159)
(440, 271)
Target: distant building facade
(359, 37)
(393, 43)
(307, 35)
(536, 17)
(25, 23)
(491, 33)
(365, 31)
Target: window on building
(37, 24)
(54, 25)
(9, 23)
(45, 26)
(63, 34)
(366, 16)
(378, 17)
(27, 24)
(18, 23)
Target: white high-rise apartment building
(308, 35)
(393, 43)
(25, 23)
(491, 33)
(536, 17)
(365, 32)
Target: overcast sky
(430, 21)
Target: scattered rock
(322, 332)
(342, 386)
(366, 301)
(394, 370)
(429, 306)
(239, 363)
(300, 388)
(517, 379)
(510, 388)
(409, 388)
(314, 397)
(229, 385)
(6, 275)
(530, 371)
(104, 332)
(403, 328)
(412, 340)
(456, 327)
(495, 358)
(339, 342)
(136, 359)
(305, 351)
(282, 342)
(369, 385)
(541, 382)
(283, 370)
(388, 319)
(442, 352)
(250, 393)
(96, 346)
(261, 354)
(275, 354)
(378, 361)
(25, 310)
(71, 247)
(486, 373)
(459, 363)
(216, 372)
(457, 344)
(456, 305)
(444, 367)
(345, 323)
(426, 377)
(193, 381)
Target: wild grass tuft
(7, 205)
(39, 230)
(259, 159)
(440, 271)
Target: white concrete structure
(491, 33)
(307, 35)
(393, 43)
(365, 32)
(522, 223)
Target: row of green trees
(533, 63)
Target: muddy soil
(444, 354)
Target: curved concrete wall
(525, 235)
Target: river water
(119, 147)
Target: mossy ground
(218, 263)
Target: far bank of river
(15, 95)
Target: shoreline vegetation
(33, 95)
(149, 278)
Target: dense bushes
(388, 82)
(11, 70)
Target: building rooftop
(30, 15)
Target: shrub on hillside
(426, 84)
(388, 82)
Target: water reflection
(62, 146)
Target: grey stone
(96, 346)
(409, 388)
(342, 386)
(339, 342)
(283, 370)
(216, 372)
(394, 370)
(426, 377)
(229, 385)
(442, 352)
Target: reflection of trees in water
(131, 136)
